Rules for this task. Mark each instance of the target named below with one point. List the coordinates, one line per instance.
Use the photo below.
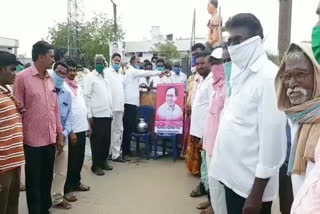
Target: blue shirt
(65, 102)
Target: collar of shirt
(35, 72)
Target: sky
(29, 20)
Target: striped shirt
(41, 118)
(11, 137)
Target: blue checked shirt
(65, 102)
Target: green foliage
(94, 37)
(168, 51)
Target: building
(10, 45)
(147, 47)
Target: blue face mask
(160, 69)
(176, 70)
(116, 67)
(194, 61)
(227, 71)
(137, 66)
(58, 81)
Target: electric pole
(285, 16)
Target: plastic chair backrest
(146, 112)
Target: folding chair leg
(156, 148)
(174, 144)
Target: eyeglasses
(236, 40)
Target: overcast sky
(29, 20)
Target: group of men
(253, 133)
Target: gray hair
(99, 57)
(295, 53)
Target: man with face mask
(132, 99)
(117, 87)
(250, 145)
(60, 71)
(98, 97)
(177, 76)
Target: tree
(168, 50)
(94, 36)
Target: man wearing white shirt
(116, 80)
(177, 76)
(98, 97)
(199, 112)
(80, 127)
(132, 99)
(251, 141)
(163, 79)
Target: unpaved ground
(140, 187)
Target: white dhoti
(116, 134)
(59, 176)
(217, 192)
(298, 180)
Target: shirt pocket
(244, 107)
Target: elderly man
(251, 140)
(298, 94)
(98, 97)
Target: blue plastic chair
(145, 112)
(173, 140)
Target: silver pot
(142, 126)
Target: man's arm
(143, 73)
(87, 92)
(18, 90)
(68, 123)
(272, 145)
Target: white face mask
(242, 54)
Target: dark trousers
(285, 190)
(100, 141)
(39, 174)
(129, 123)
(75, 162)
(235, 203)
(9, 191)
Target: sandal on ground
(197, 192)
(203, 205)
(82, 188)
(209, 210)
(63, 205)
(69, 197)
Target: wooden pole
(285, 16)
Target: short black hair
(7, 59)
(27, 65)
(198, 45)
(247, 20)
(133, 59)
(176, 92)
(154, 57)
(214, 2)
(40, 48)
(59, 63)
(148, 64)
(160, 60)
(115, 55)
(168, 66)
(146, 61)
(70, 62)
(203, 54)
(59, 53)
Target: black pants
(39, 174)
(75, 162)
(285, 190)
(129, 123)
(235, 203)
(100, 141)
